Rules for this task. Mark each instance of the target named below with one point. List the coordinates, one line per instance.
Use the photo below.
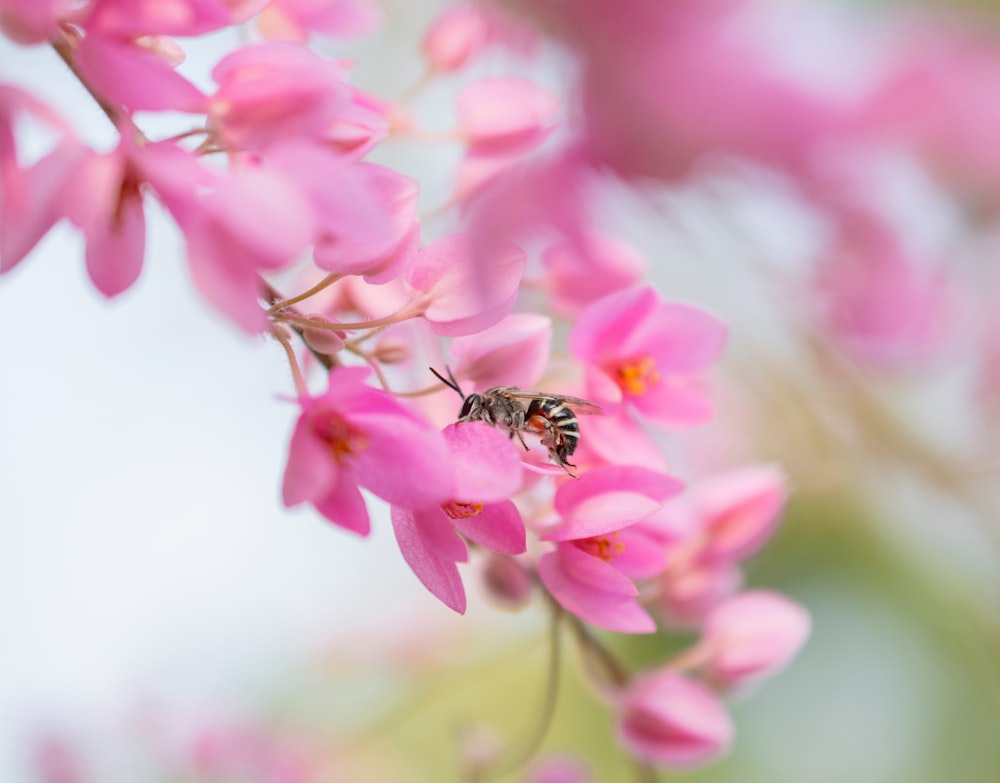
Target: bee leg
(517, 428)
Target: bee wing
(581, 406)
(575, 403)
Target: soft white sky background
(143, 547)
(142, 540)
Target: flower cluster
(272, 177)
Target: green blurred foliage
(900, 682)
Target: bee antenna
(450, 381)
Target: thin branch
(326, 282)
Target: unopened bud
(391, 350)
(507, 581)
(752, 636)
(324, 341)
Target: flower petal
(406, 462)
(593, 590)
(345, 507)
(431, 547)
(490, 463)
(498, 527)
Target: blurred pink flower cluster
(271, 183)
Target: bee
(553, 416)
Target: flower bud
(668, 719)
(753, 635)
(391, 350)
(507, 581)
(324, 341)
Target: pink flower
(462, 292)
(360, 125)
(31, 200)
(254, 220)
(33, 21)
(296, 20)
(690, 591)
(355, 436)
(595, 513)
(668, 85)
(382, 256)
(559, 769)
(648, 353)
(940, 98)
(104, 199)
(463, 31)
(130, 19)
(501, 119)
(99, 193)
(615, 438)
(364, 225)
(874, 299)
(431, 538)
(275, 92)
(736, 511)
(752, 636)
(667, 719)
(505, 116)
(706, 531)
(577, 276)
(513, 352)
(134, 74)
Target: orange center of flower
(342, 438)
(605, 547)
(456, 509)
(637, 376)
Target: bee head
(471, 406)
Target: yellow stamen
(456, 509)
(342, 439)
(637, 376)
(605, 547)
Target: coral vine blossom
(591, 533)
(479, 509)
(649, 354)
(356, 436)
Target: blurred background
(164, 618)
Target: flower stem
(406, 313)
(612, 670)
(293, 363)
(326, 282)
(65, 46)
(519, 756)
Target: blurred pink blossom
(716, 523)
(297, 20)
(665, 718)
(577, 276)
(275, 92)
(463, 31)
(513, 352)
(464, 293)
(390, 204)
(752, 636)
(134, 74)
(130, 19)
(34, 21)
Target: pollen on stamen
(341, 438)
(456, 509)
(605, 547)
(637, 376)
